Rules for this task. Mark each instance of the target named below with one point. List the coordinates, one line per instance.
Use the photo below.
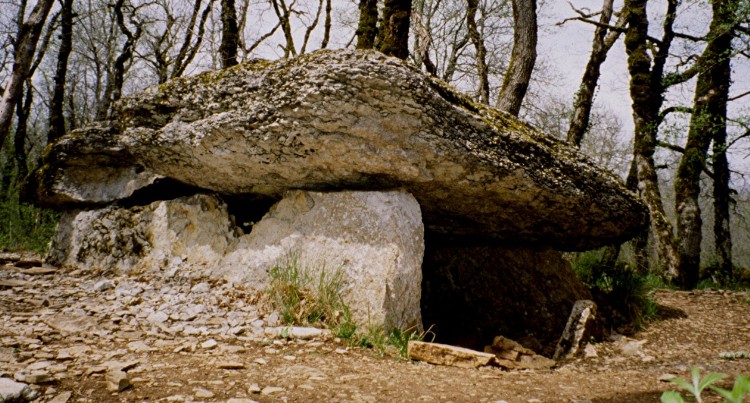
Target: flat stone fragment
(296, 332)
(40, 271)
(209, 344)
(13, 283)
(444, 354)
(230, 365)
(269, 390)
(204, 393)
(139, 347)
(37, 378)
(74, 324)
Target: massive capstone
(335, 120)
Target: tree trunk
(23, 110)
(646, 94)
(639, 243)
(396, 19)
(709, 116)
(368, 24)
(56, 115)
(283, 13)
(722, 199)
(326, 26)
(188, 50)
(25, 47)
(603, 41)
(113, 91)
(481, 57)
(522, 57)
(230, 37)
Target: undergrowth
(313, 297)
(626, 294)
(24, 227)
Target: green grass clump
(308, 297)
(304, 298)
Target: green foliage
(713, 280)
(740, 389)
(623, 289)
(25, 227)
(698, 384)
(397, 340)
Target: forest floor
(64, 332)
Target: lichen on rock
(350, 119)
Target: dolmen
(440, 212)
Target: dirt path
(63, 332)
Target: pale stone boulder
(375, 239)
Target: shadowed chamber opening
(161, 189)
(246, 210)
(472, 293)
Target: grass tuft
(312, 297)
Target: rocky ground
(83, 336)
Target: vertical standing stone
(577, 331)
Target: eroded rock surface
(353, 120)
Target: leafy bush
(626, 294)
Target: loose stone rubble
(511, 355)
(503, 352)
(88, 310)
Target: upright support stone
(376, 239)
(577, 331)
